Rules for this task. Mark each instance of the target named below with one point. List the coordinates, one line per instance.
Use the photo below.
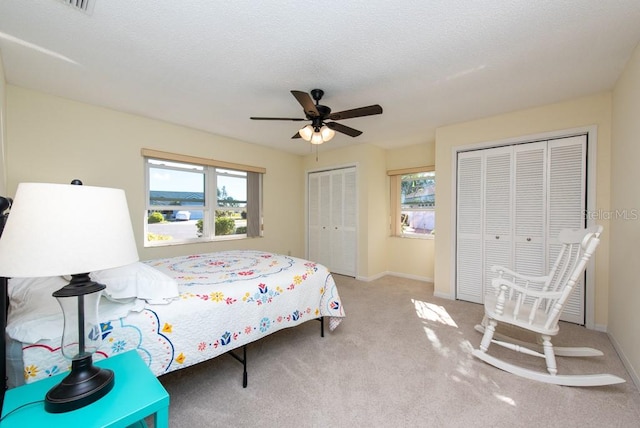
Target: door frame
(592, 143)
(306, 207)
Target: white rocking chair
(535, 304)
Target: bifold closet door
(567, 158)
(512, 202)
(332, 219)
(530, 208)
(343, 221)
(497, 211)
(484, 219)
(319, 247)
(469, 253)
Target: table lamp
(62, 229)
(5, 204)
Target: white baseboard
(370, 278)
(600, 327)
(625, 361)
(409, 276)
(444, 295)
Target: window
(182, 207)
(413, 193)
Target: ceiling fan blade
(356, 112)
(297, 119)
(344, 129)
(307, 103)
(297, 135)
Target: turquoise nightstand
(136, 394)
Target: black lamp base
(85, 384)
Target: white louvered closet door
(529, 210)
(512, 202)
(324, 244)
(498, 220)
(319, 245)
(469, 258)
(567, 159)
(313, 226)
(346, 233)
(332, 220)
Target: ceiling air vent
(85, 6)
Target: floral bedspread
(227, 299)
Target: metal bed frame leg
(243, 361)
(321, 319)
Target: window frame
(395, 179)
(212, 170)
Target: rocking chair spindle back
(535, 304)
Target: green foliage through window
(417, 203)
(155, 217)
(225, 226)
(180, 203)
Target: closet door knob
(528, 239)
(497, 237)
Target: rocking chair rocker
(535, 304)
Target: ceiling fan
(320, 129)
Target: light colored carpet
(401, 357)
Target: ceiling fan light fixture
(319, 114)
(327, 133)
(306, 132)
(316, 138)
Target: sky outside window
(190, 178)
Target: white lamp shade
(316, 138)
(306, 132)
(64, 229)
(327, 133)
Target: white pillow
(137, 280)
(34, 314)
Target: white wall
(583, 112)
(51, 139)
(624, 285)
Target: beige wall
(378, 208)
(50, 139)
(624, 288)
(583, 112)
(373, 201)
(378, 253)
(413, 258)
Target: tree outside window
(413, 196)
(180, 208)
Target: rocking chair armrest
(505, 285)
(509, 272)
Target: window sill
(196, 241)
(422, 237)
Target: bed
(176, 312)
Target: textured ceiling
(211, 65)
